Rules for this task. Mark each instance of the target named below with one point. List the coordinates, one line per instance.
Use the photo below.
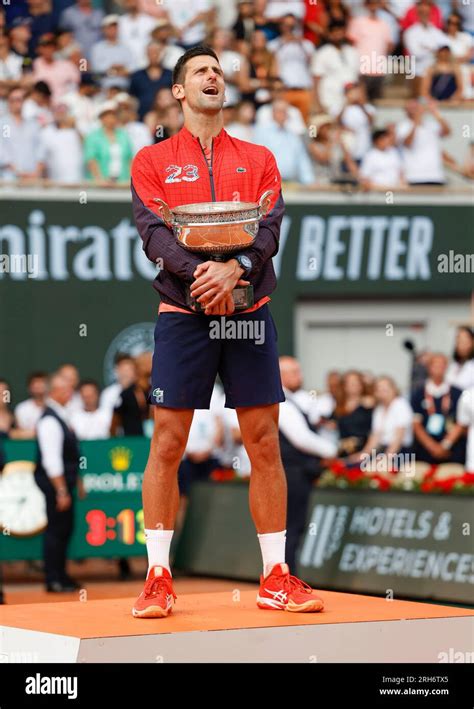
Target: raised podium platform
(228, 627)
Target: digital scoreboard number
(126, 527)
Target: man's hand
(214, 284)
(63, 501)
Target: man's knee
(264, 446)
(168, 445)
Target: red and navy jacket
(176, 170)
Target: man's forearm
(267, 242)
(160, 245)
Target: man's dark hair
(89, 382)
(122, 357)
(41, 87)
(377, 134)
(197, 51)
(36, 375)
(337, 25)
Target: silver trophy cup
(217, 229)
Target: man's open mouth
(211, 91)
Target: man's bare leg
(267, 494)
(160, 481)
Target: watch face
(22, 504)
(246, 262)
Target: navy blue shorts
(192, 349)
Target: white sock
(273, 550)
(158, 542)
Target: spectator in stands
(337, 11)
(163, 34)
(294, 55)
(11, 65)
(335, 65)
(81, 104)
(329, 151)
(353, 414)
(29, 411)
(461, 368)
(132, 410)
(392, 422)
(382, 166)
(7, 419)
(244, 125)
(461, 44)
(110, 58)
(146, 82)
(189, 20)
(70, 373)
(56, 474)
(289, 150)
(465, 418)
(419, 136)
(135, 30)
(128, 117)
(443, 79)
(84, 22)
(43, 21)
(68, 48)
(437, 438)
(315, 22)
(93, 422)
(301, 452)
(418, 10)
(125, 373)
(163, 120)
(234, 65)
(38, 106)
(61, 149)
(465, 10)
(372, 38)
(422, 40)
(19, 33)
(244, 27)
(358, 116)
(108, 150)
(263, 72)
(19, 141)
(60, 75)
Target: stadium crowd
(85, 85)
(357, 414)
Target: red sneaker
(157, 598)
(280, 591)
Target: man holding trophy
(208, 208)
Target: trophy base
(242, 296)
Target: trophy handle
(264, 202)
(164, 211)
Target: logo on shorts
(158, 394)
(241, 169)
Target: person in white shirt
(188, 19)
(301, 451)
(71, 373)
(462, 48)
(11, 65)
(419, 137)
(294, 122)
(294, 55)
(392, 423)
(125, 373)
(60, 150)
(110, 58)
(163, 33)
(465, 417)
(243, 127)
(28, 412)
(422, 40)
(56, 474)
(334, 65)
(135, 30)
(93, 422)
(461, 369)
(82, 104)
(357, 116)
(234, 65)
(382, 167)
(137, 131)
